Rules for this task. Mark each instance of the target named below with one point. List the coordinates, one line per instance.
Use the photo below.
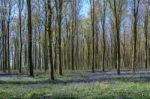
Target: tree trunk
(49, 9)
(30, 38)
(20, 27)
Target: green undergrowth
(75, 85)
(105, 90)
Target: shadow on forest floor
(78, 77)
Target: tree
(92, 4)
(118, 7)
(4, 36)
(59, 7)
(45, 40)
(135, 11)
(49, 12)
(103, 19)
(73, 32)
(8, 35)
(30, 64)
(146, 20)
(20, 31)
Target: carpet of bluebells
(77, 85)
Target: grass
(77, 85)
(105, 90)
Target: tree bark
(30, 38)
(49, 9)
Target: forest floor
(77, 85)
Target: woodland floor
(77, 85)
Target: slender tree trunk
(146, 37)
(45, 41)
(135, 15)
(49, 9)
(104, 41)
(93, 33)
(20, 27)
(59, 32)
(88, 45)
(72, 49)
(30, 38)
(8, 26)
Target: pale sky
(85, 8)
